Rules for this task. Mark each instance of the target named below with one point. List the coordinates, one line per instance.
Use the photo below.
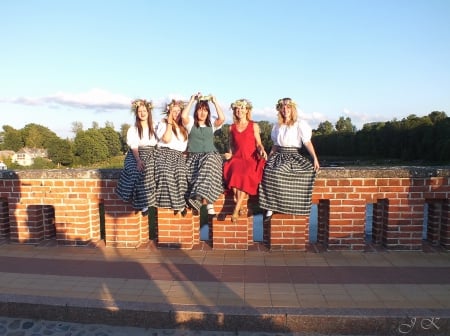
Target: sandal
(242, 211)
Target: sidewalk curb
(384, 322)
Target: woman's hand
(140, 165)
(195, 96)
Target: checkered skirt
(204, 177)
(136, 187)
(170, 179)
(287, 183)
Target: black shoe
(183, 212)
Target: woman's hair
(200, 105)
(287, 101)
(135, 104)
(242, 103)
(179, 122)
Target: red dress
(245, 169)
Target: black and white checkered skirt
(136, 187)
(204, 177)
(287, 183)
(170, 179)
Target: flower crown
(204, 98)
(141, 102)
(180, 103)
(285, 101)
(242, 103)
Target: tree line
(425, 139)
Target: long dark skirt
(170, 179)
(287, 183)
(204, 178)
(138, 188)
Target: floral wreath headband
(285, 101)
(180, 103)
(141, 102)
(204, 98)
(242, 103)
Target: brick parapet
(79, 207)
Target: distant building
(26, 156)
(3, 166)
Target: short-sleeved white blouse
(133, 140)
(177, 142)
(291, 136)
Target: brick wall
(79, 207)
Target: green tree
(112, 139)
(60, 152)
(12, 139)
(37, 136)
(221, 139)
(123, 137)
(325, 128)
(109, 124)
(437, 116)
(90, 147)
(42, 163)
(345, 125)
(265, 129)
(77, 126)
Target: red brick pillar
(288, 232)
(346, 224)
(73, 221)
(403, 230)
(225, 234)
(174, 230)
(124, 227)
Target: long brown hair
(149, 106)
(202, 104)
(179, 122)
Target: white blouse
(177, 142)
(133, 140)
(291, 136)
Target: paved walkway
(356, 293)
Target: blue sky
(85, 60)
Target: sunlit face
(286, 111)
(176, 112)
(240, 112)
(142, 113)
(202, 114)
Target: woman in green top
(204, 163)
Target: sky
(85, 61)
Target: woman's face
(176, 112)
(240, 112)
(286, 112)
(142, 113)
(202, 114)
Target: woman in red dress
(246, 157)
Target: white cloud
(96, 99)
